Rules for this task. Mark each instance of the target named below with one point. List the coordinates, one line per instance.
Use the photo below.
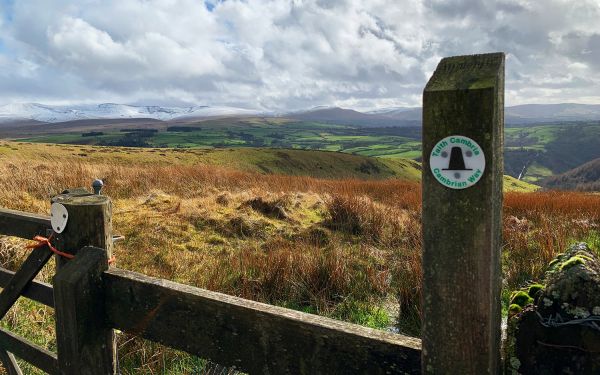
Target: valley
(533, 152)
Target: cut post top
(467, 72)
(80, 200)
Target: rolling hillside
(585, 177)
(537, 152)
(532, 153)
(319, 164)
(342, 116)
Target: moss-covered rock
(559, 334)
(514, 309)
(573, 285)
(520, 298)
(535, 290)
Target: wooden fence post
(463, 124)
(85, 345)
(89, 223)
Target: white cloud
(284, 54)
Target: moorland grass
(345, 248)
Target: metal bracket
(59, 216)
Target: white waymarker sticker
(457, 162)
(58, 217)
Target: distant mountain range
(397, 116)
(535, 113)
(52, 114)
(401, 116)
(341, 116)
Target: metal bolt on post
(97, 185)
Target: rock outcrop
(555, 328)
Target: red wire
(43, 241)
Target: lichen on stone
(579, 312)
(573, 286)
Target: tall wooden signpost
(463, 124)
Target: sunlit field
(344, 248)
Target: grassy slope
(585, 177)
(320, 164)
(512, 184)
(550, 149)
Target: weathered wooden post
(463, 124)
(85, 345)
(89, 223)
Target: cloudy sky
(289, 54)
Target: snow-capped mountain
(394, 116)
(47, 113)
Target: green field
(281, 133)
(534, 152)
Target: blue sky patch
(209, 5)
(6, 9)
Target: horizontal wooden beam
(29, 352)
(251, 336)
(36, 290)
(23, 224)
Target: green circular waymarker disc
(457, 162)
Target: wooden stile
(23, 224)
(37, 356)
(10, 363)
(36, 290)
(461, 262)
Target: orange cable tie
(43, 241)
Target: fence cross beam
(23, 277)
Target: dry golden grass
(201, 225)
(539, 226)
(340, 248)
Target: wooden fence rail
(251, 336)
